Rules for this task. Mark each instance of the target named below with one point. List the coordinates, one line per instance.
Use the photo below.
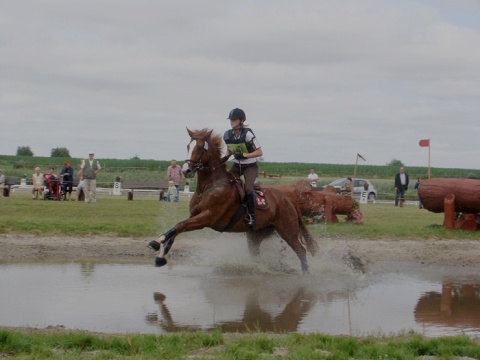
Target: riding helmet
(237, 114)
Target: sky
(319, 81)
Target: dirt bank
(26, 247)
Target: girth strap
(238, 214)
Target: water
(138, 298)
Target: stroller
(53, 189)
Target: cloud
(319, 80)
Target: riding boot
(250, 219)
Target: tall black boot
(250, 219)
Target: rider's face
(235, 123)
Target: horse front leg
(163, 244)
(166, 238)
(165, 241)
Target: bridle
(198, 165)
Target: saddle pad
(261, 199)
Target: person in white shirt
(313, 178)
(2, 182)
(38, 181)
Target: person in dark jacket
(417, 187)
(67, 179)
(401, 185)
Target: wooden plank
(145, 185)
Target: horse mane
(216, 140)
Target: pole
(429, 158)
(355, 171)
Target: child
(172, 191)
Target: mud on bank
(16, 247)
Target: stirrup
(250, 220)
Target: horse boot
(250, 219)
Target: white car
(357, 187)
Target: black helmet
(237, 114)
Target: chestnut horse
(217, 204)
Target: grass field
(146, 216)
(252, 346)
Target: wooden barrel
(432, 193)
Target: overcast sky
(320, 81)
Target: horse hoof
(160, 261)
(155, 245)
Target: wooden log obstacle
(311, 202)
(452, 197)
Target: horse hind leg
(292, 237)
(255, 238)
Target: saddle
(260, 201)
(260, 195)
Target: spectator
(365, 186)
(416, 187)
(313, 178)
(89, 170)
(80, 192)
(346, 188)
(38, 184)
(2, 182)
(401, 185)
(174, 173)
(67, 179)
(52, 185)
(172, 191)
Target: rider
(244, 146)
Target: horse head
(199, 150)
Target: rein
(198, 165)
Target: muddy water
(138, 298)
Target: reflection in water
(254, 317)
(87, 268)
(253, 304)
(118, 298)
(457, 305)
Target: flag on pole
(424, 143)
(361, 157)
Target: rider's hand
(239, 156)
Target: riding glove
(239, 156)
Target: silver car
(357, 187)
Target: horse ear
(190, 132)
(209, 135)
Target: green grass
(146, 216)
(381, 221)
(200, 345)
(111, 215)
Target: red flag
(424, 143)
